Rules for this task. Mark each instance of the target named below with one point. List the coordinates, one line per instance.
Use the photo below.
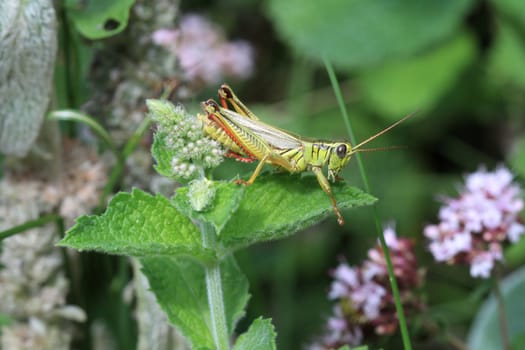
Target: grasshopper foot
(340, 219)
(241, 182)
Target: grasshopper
(248, 139)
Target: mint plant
(186, 244)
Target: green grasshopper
(248, 139)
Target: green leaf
(27, 50)
(227, 199)
(507, 57)
(260, 336)
(138, 224)
(97, 19)
(163, 155)
(395, 89)
(346, 347)
(356, 33)
(518, 342)
(179, 285)
(485, 331)
(276, 206)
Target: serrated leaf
(97, 19)
(485, 330)
(138, 224)
(356, 33)
(395, 89)
(163, 156)
(27, 56)
(260, 336)
(179, 285)
(227, 199)
(276, 206)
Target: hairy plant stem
(214, 290)
(393, 283)
(503, 326)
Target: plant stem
(76, 116)
(31, 224)
(117, 170)
(395, 290)
(214, 290)
(503, 326)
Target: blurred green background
(459, 64)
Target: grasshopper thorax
(340, 154)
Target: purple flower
(474, 225)
(203, 53)
(165, 37)
(364, 300)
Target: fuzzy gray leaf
(28, 48)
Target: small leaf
(97, 19)
(163, 155)
(27, 55)
(485, 331)
(138, 224)
(395, 89)
(260, 336)
(356, 33)
(179, 285)
(227, 199)
(276, 206)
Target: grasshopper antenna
(375, 149)
(356, 148)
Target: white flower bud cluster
(183, 134)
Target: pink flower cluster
(473, 226)
(364, 300)
(203, 53)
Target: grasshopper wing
(275, 137)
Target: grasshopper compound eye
(341, 151)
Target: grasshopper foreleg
(325, 185)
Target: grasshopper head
(339, 157)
